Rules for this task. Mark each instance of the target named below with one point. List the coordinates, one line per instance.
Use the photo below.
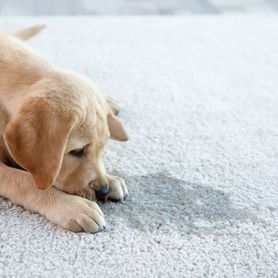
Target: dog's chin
(92, 195)
(87, 193)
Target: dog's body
(53, 127)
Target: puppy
(54, 125)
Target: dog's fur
(54, 125)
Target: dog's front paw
(76, 214)
(117, 188)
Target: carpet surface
(199, 97)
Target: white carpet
(200, 99)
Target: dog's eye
(78, 152)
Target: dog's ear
(36, 138)
(116, 128)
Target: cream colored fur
(54, 125)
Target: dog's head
(59, 131)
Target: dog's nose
(102, 191)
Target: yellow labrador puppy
(54, 125)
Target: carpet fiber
(199, 96)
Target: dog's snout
(102, 191)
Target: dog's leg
(71, 212)
(113, 104)
(117, 186)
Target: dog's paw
(117, 188)
(76, 214)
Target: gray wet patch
(159, 201)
